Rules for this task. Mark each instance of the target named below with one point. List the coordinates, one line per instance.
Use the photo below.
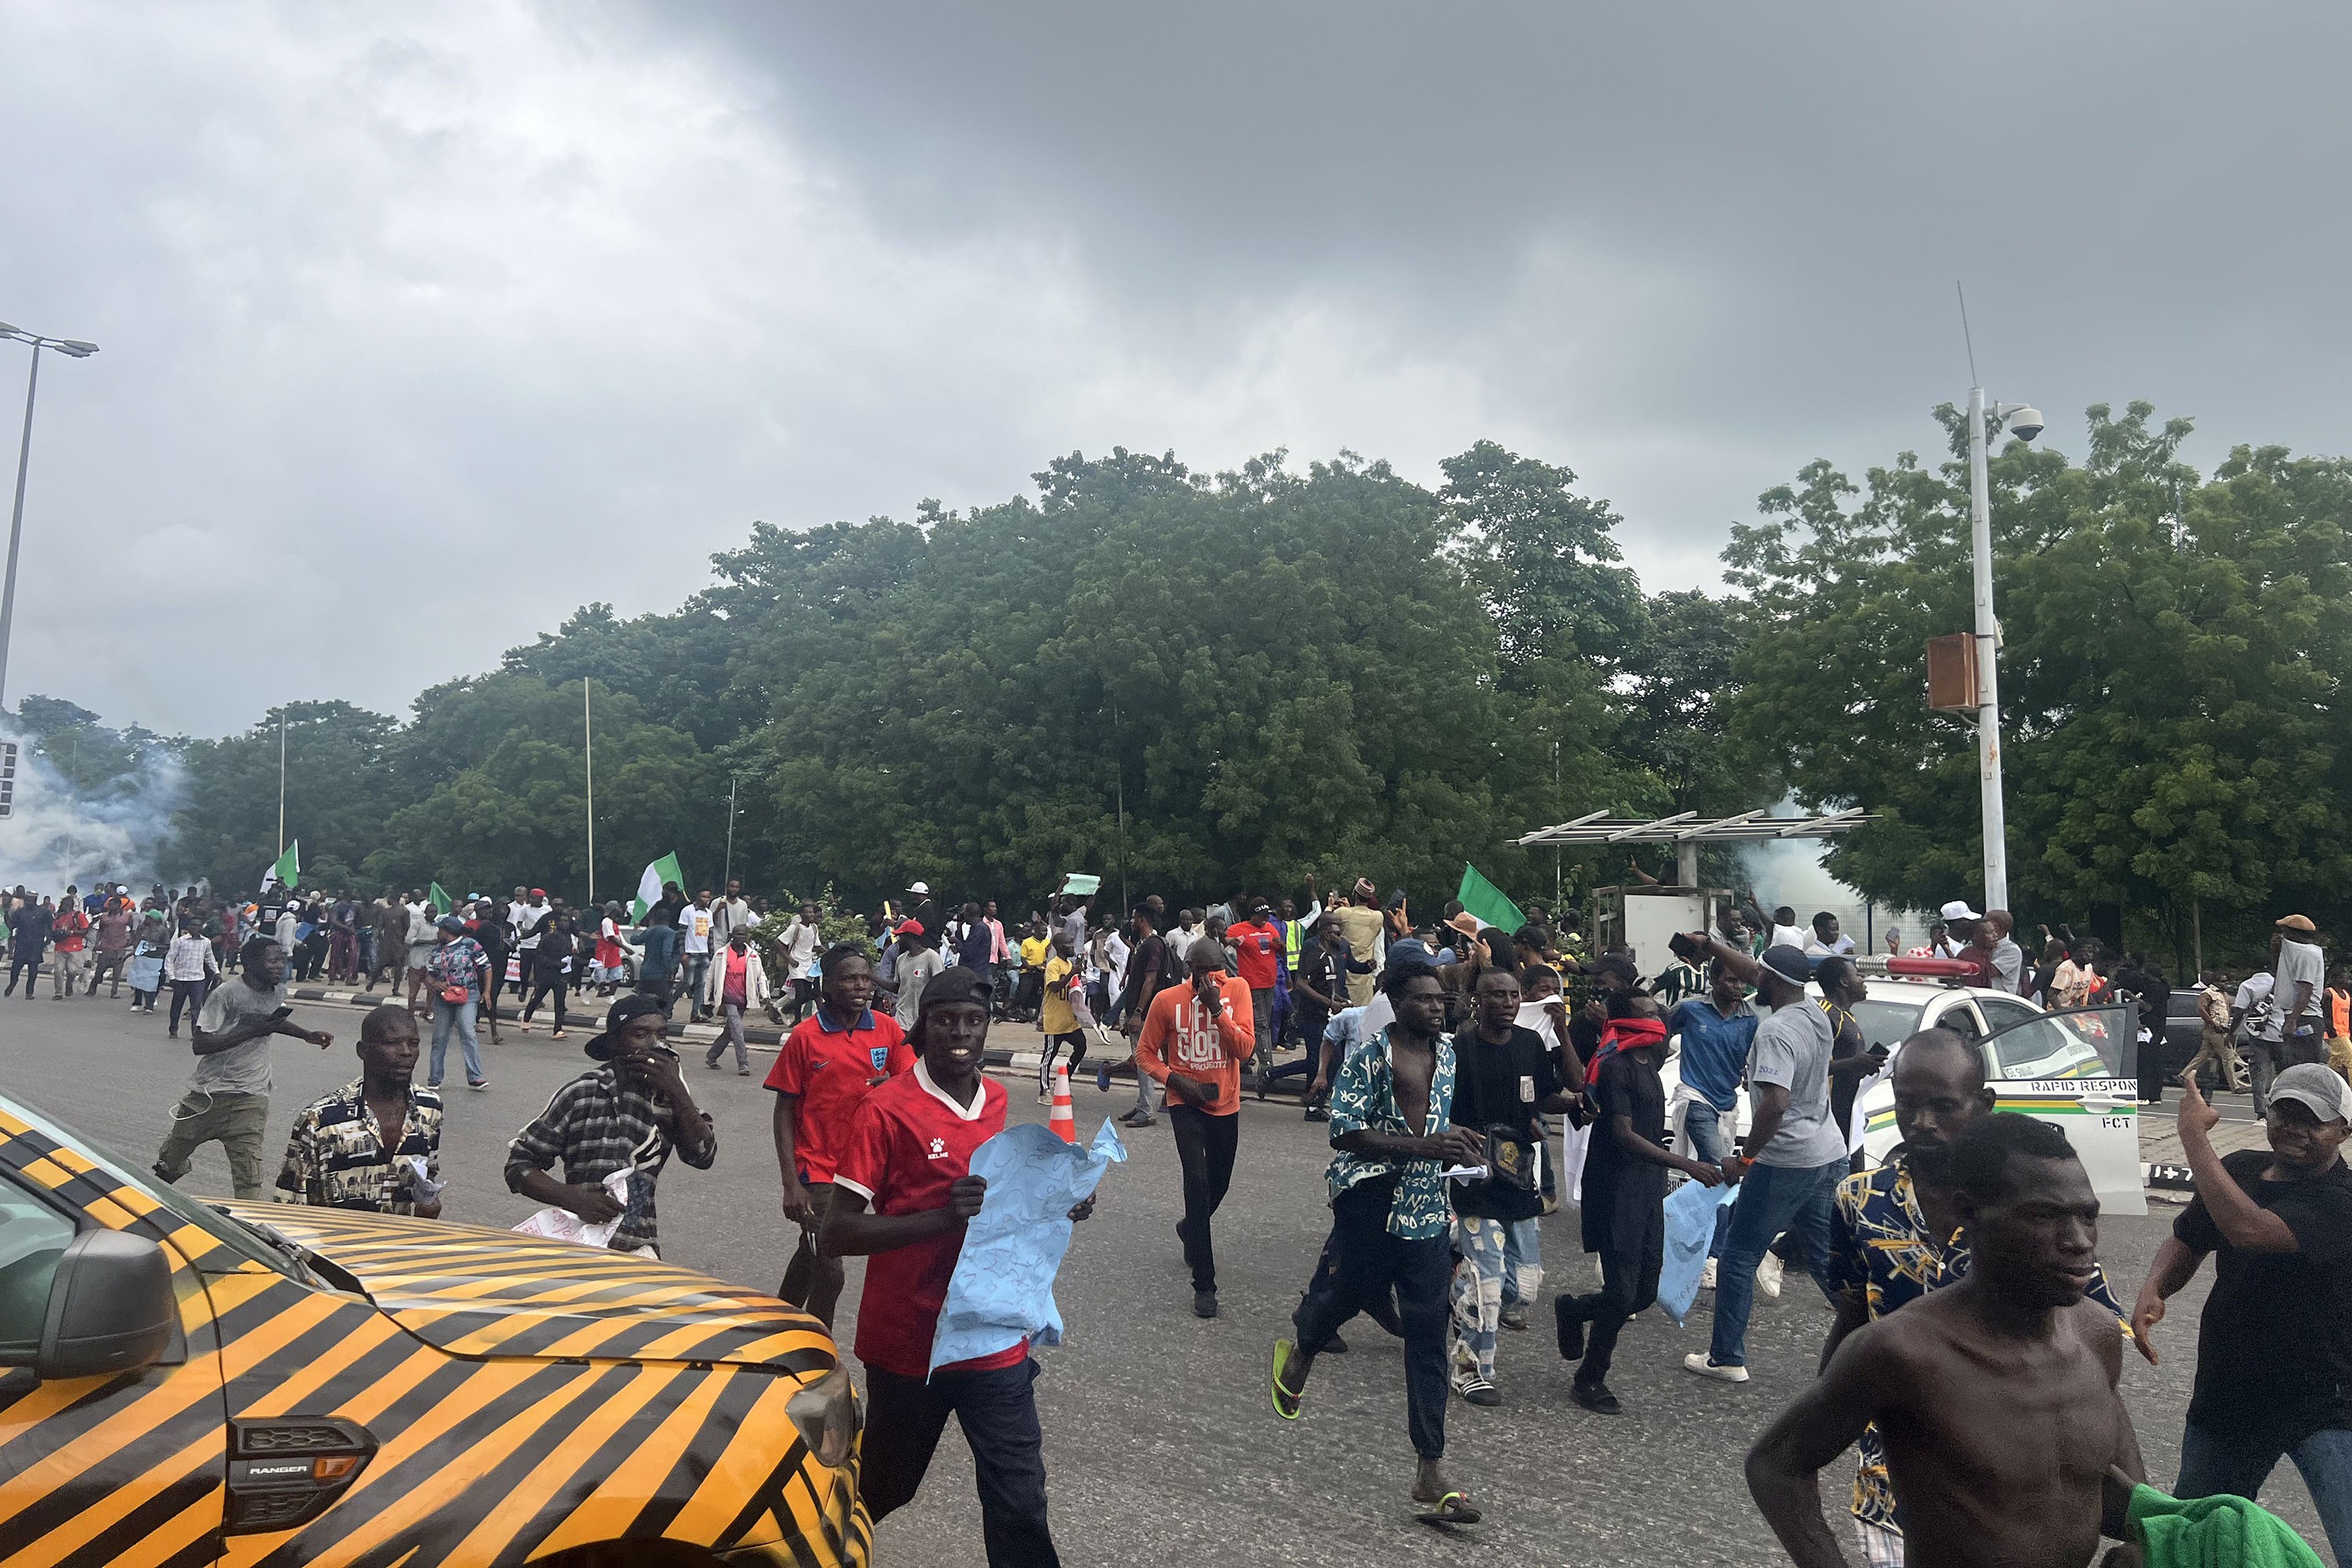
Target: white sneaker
(1768, 1275)
(1698, 1362)
(1706, 1275)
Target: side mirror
(112, 1309)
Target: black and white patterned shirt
(337, 1158)
(596, 1127)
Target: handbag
(455, 995)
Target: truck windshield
(191, 1210)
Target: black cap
(1787, 963)
(959, 984)
(637, 1005)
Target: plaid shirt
(336, 1158)
(596, 1127)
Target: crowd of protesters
(1435, 1051)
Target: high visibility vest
(2340, 1013)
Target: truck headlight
(826, 1414)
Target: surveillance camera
(2025, 424)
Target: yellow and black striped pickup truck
(187, 1383)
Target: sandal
(1285, 1399)
(1453, 1507)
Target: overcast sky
(423, 324)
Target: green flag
(649, 886)
(441, 901)
(1486, 903)
(287, 872)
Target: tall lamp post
(2025, 424)
(73, 348)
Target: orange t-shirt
(1178, 1035)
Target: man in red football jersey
(903, 1193)
(830, 1063)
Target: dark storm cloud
(422, 327)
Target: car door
(127, 1466)
(2077, 1070)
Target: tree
(508, 793)
(1271, 673)
(1675, 685)
(337, 794)
(2173, 667)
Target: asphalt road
(1160, 1446)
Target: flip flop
(1284, 1349)
(1453, 1507)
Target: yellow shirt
(1054, 1017)
(1033, 950)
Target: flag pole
(281, 779)
(588, 735)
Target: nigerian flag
(1484, 902)
(441, 901)
(649, 886)
(287, 871)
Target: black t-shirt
(2274, 1349)
(1615, 1181)
(1497, 1086)
(1848, 1042)
(1151, 956)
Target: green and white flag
(649, 886)
(441, 901)
(287, 872)
(1484, 902)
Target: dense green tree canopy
(2173, 664)
(1198, 684)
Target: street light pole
(2026, 424)
(1996, 829)
(73, 349)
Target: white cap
(1957, 910)
(918, 887)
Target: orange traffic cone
(1062, 1118)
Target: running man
(829, 1065)
(1390, 1124)
(902, 1196)
(1996, 1396)
(1195, 1041)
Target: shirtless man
(1996, 1396)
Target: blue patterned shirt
(1364, 1101)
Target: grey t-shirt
(2008, 963)
(2297, 961)
(1792, 1050)
(915, 971)
(240, 1069)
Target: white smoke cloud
(1788, 871)
(52, 836)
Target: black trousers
(1204, 1146)
(188, 993)
(553, 981)
(18, 964)
(998, 1412)
(1629, 1262)
(1367, 1263)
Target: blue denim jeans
(1522, 1263)
(457, 1016)
(1703, 1124)
(1772, 1198)
(2216, 1463)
